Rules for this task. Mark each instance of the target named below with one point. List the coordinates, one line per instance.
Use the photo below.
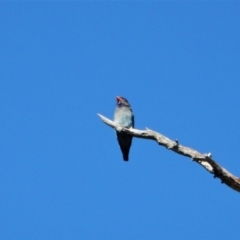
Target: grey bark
(205, 160)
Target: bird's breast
(125, 120)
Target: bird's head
(121, 101)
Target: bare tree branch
(205, 160)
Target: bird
(124, 116)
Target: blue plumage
(124, 116)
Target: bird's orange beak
(119, 98)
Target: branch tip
(207, 155)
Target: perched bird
(124, 116)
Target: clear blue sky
(61, 170)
